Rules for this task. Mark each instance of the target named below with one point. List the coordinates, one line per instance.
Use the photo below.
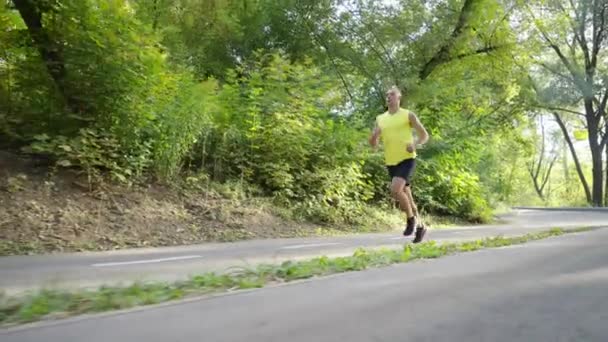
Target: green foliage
(180, 121)
(274, 130)
(213, 36)
(447, 186)
(130, 112)
(110, 63)
(90, 151)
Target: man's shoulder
(382, 115)
(406, 111)
(410, 114)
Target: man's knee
(397, 189)
(395, 193)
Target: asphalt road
(550, 290)
(80, 270)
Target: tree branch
(369, 28)
(487, 49)
(578, 81)
(443, 55)
(604, 140)
(602, 106)
(557, 73)
(545, 179)
(561, 109)
(325, 46)
(479, 120)
(536, 186)
(575, 75)
(598, 33)
(542, 149)
(582, 38)
(575, 38)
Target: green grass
(53, 303)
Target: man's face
(393, 97)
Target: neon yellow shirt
(396, 133)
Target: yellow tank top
(396, 133)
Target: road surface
(549, 290)
(81, 270)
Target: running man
(395, 127)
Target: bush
(444, 188)
(91, 151)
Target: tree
(542, 163)
(572, 74)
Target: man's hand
(411, 148)
(373, 139)
(423, 135)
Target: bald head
(394, 89)
(393, 98)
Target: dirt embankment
(45, 212)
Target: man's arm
(421, 133)
(373, 138)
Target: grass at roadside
(50, 304)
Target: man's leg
(408, 172)
(398, 193)
(421, 229)
(408, 191)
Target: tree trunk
(540, 176)
(577, 163)
(598, 174)
(156, 16)
(596, 157)
(31, 12)
(539, 191)
(565, 160)
(606, 187)
(9, 88)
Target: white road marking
(398, 238)
(312, 245)
(146, 261)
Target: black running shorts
(404, 169)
